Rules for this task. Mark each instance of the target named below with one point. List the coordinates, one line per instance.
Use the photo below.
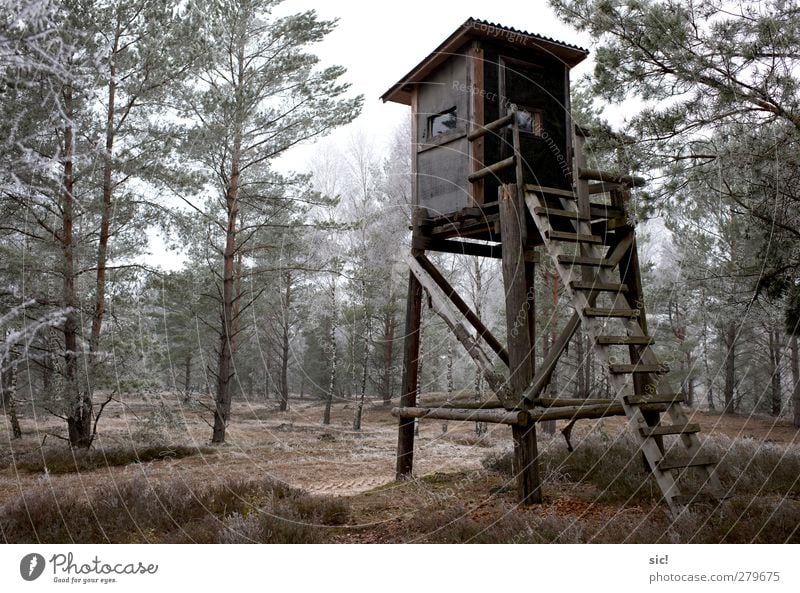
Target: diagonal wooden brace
(455, 321)
(545, 371)
(450, 292)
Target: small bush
(141, 510)
(63, 460)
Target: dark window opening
(529, 121)
(442, 123)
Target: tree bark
(8, 386)
(389, 325)
(775, 379)
(287, 301)
(105, 217)
(187, 373)
(796, 381)
(730, 368)
(79, 403)
(326, 418)
(359, 408)
(225, 369)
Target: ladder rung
(551, 191)
(665, 429)
(625, 340)
(491, 169)
(557, 213)
(584, 260)
(603, 312)
(712, 497)
(654, 398)
(598, 286)
(658, 369)
(679, 462)
(573, 237)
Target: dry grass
(143, 510)
(63, 460)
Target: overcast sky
(379, 42)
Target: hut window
(442, 123)
(530, 121)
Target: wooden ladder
(586, 271)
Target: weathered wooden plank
(596, 175)
(492, 169)
(584, 260)
(494, 251)
(658, 369)
(610, 312)
(584, 412)
(560, 402)
(666, 429)
(481, 131)
(681, 461)
(513, 229)
(559, 213)
(598, 286)
(408, 397)
(551, 191)
(653, 398)
(497, 416)
(625, 340)
(573, 237)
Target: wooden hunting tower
(498, 171)
(474, 77)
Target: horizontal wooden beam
(585, 412)
(513, 417)
(595, 175)
(490, 127)
(494, 251)
(561, 402)
(492, 169)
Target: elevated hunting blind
(472, 78)
(499, 171)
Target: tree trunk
(105, 217)
(187, 373)
(775, 379)
(359, 408)
(284, 386)
(8, 386)
(709, 380)
(326, 419)
(225, 369)
(549, 426)
(389, 325)
(730, 368)
(79, 403)
(480, 427)
(796, 381)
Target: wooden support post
(514, 236)
(408, 397)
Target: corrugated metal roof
(472, 21)
(480, 29)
